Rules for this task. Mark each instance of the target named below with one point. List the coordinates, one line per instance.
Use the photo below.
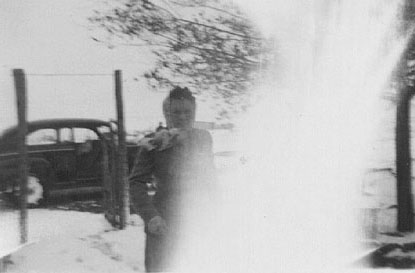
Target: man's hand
(157, 226)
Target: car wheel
(36, 193)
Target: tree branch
(204, 25)
(218, 29)
(207, 49)
(209, 7)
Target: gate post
(20, 86)
(122, 163)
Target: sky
(49, 36)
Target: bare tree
(403, 162)
(406, 90)
(205, 44)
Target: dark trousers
(153, 254)
(160, 252)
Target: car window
(104, 129)
(66, 135)
(81, 135)
(42, 137)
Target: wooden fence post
(107, 181)
(20, 86)
(122, 163)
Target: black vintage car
(65, 156)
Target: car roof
(57, 123)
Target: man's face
(182, 113)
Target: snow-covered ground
(71, 241)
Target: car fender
(9, 171)
(42, 168)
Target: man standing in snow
(180, 160)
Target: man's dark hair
(178, 93)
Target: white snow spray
(291, 206)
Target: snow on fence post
(20, 86)
(122, 164)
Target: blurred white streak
(291, 207)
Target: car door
(64, 158)
(88, 156)
(47, 143)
